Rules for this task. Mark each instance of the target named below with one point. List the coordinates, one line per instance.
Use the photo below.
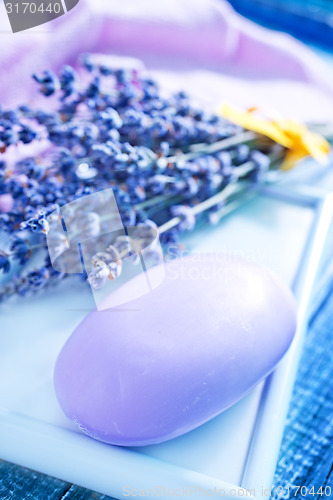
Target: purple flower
(4, 262)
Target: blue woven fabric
(306, 455)
(309, 20)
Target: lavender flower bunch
(169, 164)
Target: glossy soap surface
(169, 361)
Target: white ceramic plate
(236, 450)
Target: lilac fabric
(200, 45)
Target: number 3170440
(32, 8)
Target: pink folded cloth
(201, 46)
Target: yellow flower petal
(250, 121)
(291, 158)
(294, 136)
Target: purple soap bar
(169, 361)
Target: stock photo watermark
(24, 15)
(232, 492)
(87, 235)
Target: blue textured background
(309, 20)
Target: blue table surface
(309, 20)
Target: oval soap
(169, 361)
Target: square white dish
(236, 450)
